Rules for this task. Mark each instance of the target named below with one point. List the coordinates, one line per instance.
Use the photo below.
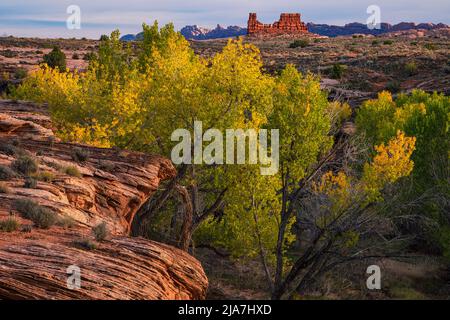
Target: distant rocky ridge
(195, 32)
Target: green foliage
(72, 171)
(85, 244)
(80, 155)
(426, 117)
(25, 165)
(136, 99)
(45, 176)
(66, 222)
(337, 71)
(393, 86)
(42, 217)
(388, 42)
(411, 68)
(100, 231)
(56, 59)
(30, 183)
(300, 43)
(9, 224)
(430, 46)
(375, 42)
(20, 73)
(6, 173)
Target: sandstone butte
(289, 23)
(112, 186)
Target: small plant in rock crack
(86, 244)
(80, 155)
(42, 217)
(25, 165)
(30, 183)
(9, 225)
(100, 231)
(72, 171)
(6, 173)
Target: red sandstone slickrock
(112, 187)
(289, 23)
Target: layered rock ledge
(110, 186)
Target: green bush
(56, 59)
(430, 46)
(100, 231)
(8, 149)
(20, 73)
(66, 222)
(9, 225)
(393, 86)
(25, 165)
(388, 42)
(80, 155)
(302, 43)
(86, 244)
(42, 217)
(375, 42)
(45, 176)
(6, 173)
(72, 171)
(411, 68)
(30, 183)
(337, 71)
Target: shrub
(430, 46)
(9, 225)
(66, 222)
(411, 68)
(79, 155)
(375, 42)
(20, 73)
(104, 37)
(414, 43)
(388, 42)
(30, 183)
(27, 228)
(89, 56)
(6, 173)
(25, 165)
(302, 43)
(393, 86)
(42, 217)
(86, 244)
(8, 149)
(56, 59)
(337, 71)
(100, 231)
(45, 176)
(4, 188)
(72, 171)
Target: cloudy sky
(47, 18)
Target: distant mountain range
(195, 32)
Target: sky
(47, 18)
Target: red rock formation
(289, 23)
(112, 187)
